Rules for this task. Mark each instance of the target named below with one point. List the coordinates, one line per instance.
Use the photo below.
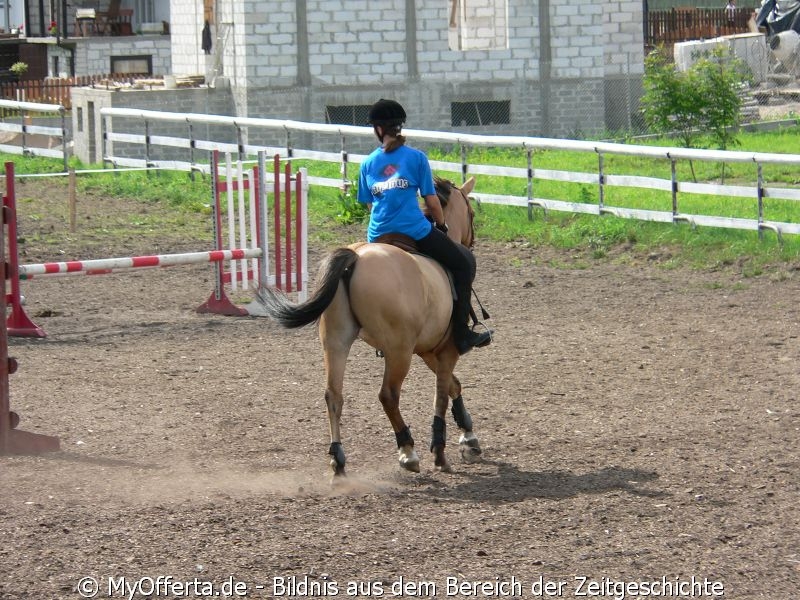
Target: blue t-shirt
(391, 182)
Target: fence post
(343, 169)
(191, 151)
(240, 142)
(72, 201)
(760, 194)
(529, 153)
(463, 164)
(147, 143)
(64, 145)
(601, 179)
(674, 171)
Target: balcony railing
(56, 90)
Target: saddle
(407, 243)
(399, 240)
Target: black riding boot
(465, 338)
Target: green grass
(592, 237)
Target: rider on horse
(390, 179)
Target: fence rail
(21, 134)
(347, 137)
(179, 137)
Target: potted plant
(19, 68)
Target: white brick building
(535, 67)
(531, 67)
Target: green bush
(702, 101)
(350, 209)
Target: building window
(139, 65)
(80, 119)
(488, 112)
(347, 115)
(478, 24)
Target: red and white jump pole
(103, 266)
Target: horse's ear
(466, 189)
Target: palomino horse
(399, 303)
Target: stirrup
(473, 339)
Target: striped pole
(103, 266)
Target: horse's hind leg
(395, 370)
(337, 332)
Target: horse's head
(457, 209)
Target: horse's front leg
(442, 366)
(468, 444)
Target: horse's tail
(339, 267)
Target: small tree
(721, 78)
(671, 99)
(702, 101)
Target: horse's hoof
(411, 465)
(470, 455)
(470, 448)
(440, 461)
(444, 467)
(338, 479)
(409, 460)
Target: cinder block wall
(88, 131)
(93, 55)
(562, 68)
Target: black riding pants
(459, 261)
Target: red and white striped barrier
(103, 266)
(246, 221)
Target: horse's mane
(443, 188)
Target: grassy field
(587, 237)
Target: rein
(444, 189)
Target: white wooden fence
(758, 191)
(155, 134)
(23, 129)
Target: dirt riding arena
(640, 427)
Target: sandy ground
(639, 425)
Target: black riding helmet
(386, 112)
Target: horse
(400, 303)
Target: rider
(389, 180)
